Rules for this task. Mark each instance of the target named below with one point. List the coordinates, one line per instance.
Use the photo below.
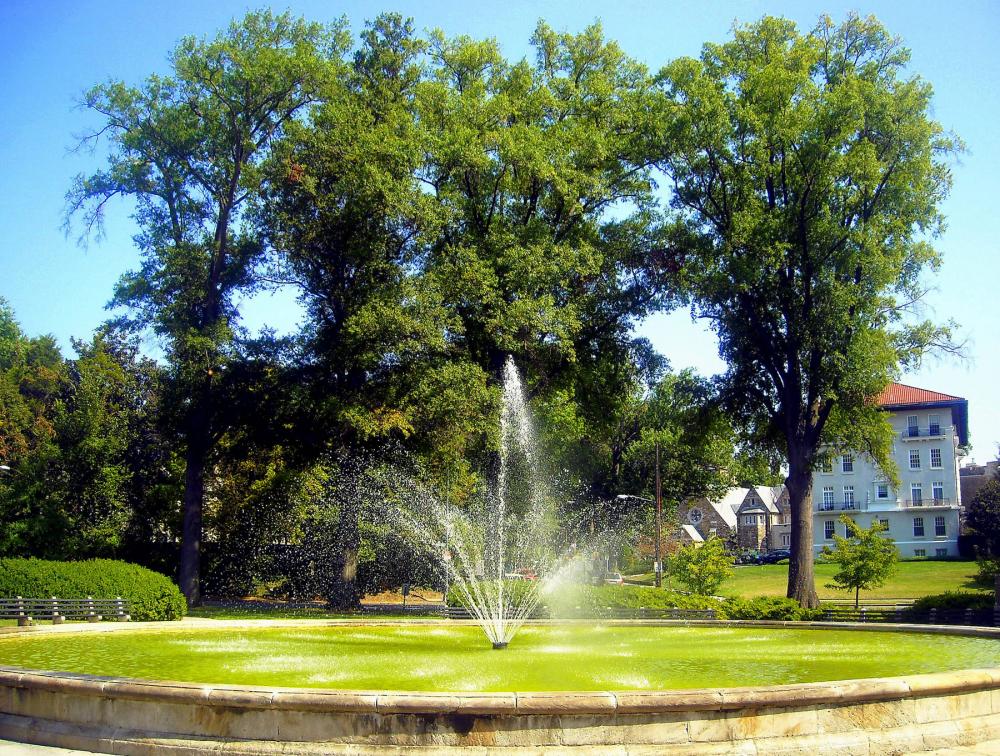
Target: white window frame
(849, 500)
(827, 467)
(917, 494)
(940, 526)
(827, 498)
(937, 466)
(881, 490)
(920, 552)
(912, 426)
(918, 523)
(933, 420)
(828, 529)
(937, 490)
(914, 459)
(884, 524)
(847, 463)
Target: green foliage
(983, 516)
(769, 608)
(593, 600)
(951, 600)
(808, 176)
(151, 596)
(702, 567)
(866, 559)
(989, 569)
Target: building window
(936, 458)
(912, 429)
(848, 497)
(934, 424)
(847, 463)
(881, 490)
(914, 459)
(917, 494)
(940, 552)
(786, 539)
(828, 529)
(827, 498)
(919, 553)
(939, 527)
(938, 490)
(827, 467)
(884, 524)
(918, 527)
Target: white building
(922, 516)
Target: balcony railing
(935, 502)
(929, 431)
(840, 506)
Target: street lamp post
(658, 567)
(658, 502)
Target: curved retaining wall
(876, 716)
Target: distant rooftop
(901, 396)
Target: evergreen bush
(769, 608)
(151, 596)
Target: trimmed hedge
(571, 599)
(151, 596)
(769, 608)
(951, 600)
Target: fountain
(502, 553)
(352, 686)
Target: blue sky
(51, 52)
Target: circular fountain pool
(631, 687)
(581, 657)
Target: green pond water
(435, 657)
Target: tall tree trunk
(343, 592)
(801, 580)
(198, 442)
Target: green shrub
(951, 600)
(989, 568)
(768, 608)
(569, 599)
(151, 596)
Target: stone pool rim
(59, 708)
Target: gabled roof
(727, 506)
(692, 533)
(901, 395)
(898, 396)
(770, 495)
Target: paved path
(9, 748)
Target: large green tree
(543, 172)
(188, 148)
(807, 179)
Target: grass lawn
(912, 580)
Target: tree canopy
(807, 176)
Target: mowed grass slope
(912, 580)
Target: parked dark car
(773, 557)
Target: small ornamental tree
(866, 558)
(702, 568)
(983, 516)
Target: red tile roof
(897, 395)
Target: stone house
(746, 518)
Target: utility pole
(659, 510)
